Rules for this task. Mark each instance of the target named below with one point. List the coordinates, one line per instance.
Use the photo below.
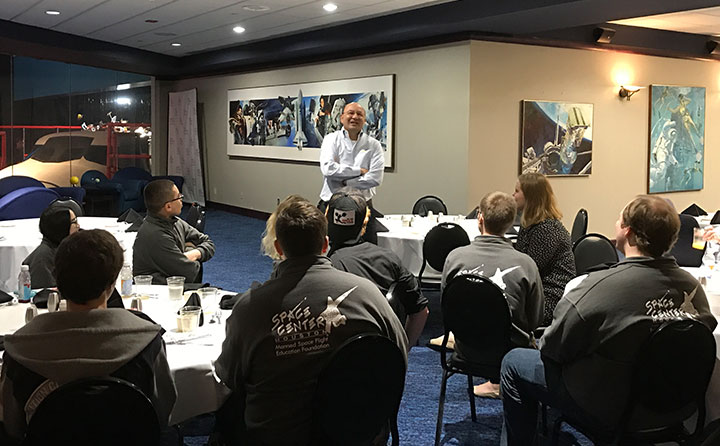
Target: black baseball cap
(346, 215)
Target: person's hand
(193, 255)
(363, 171)
(711, 234)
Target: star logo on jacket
(497, 278)
(332, 315)
(687, 305)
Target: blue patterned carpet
(238, 262)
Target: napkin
(41, 298)
(130, 216)
(194, 301)
(694, 210)
(228, 301)
(5, 297)
(135, 227)
(473, 214)
(716, 219)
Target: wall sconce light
(626, 91)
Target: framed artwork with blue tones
(289, 122)
(677, 138)
(556, 138)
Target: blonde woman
(544, 238)
(267, 245)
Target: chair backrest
(91, 177)
(429, 203)
(579, 227)
(591, 250)
(196, 217)
(93, 411)
(358, 391)
(440, 241)
(28, 202)
(475, 310)
(678, 358)
(15, 182)
(68, 203)
(132, 173)
(684, 253)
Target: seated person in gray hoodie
(55, 225)
(165, 244)
(586, 357)
(104, 341)
(281, 335)
(493, 256)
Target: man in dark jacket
(348, 215)
(87, 340)
(166, 245)
(281, 335)
(586, 356)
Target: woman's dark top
(42, 262)
(548, 244)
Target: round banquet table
(18, 238)
(407, 241)
(191, 356)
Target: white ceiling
(699, 21)
(199, 25)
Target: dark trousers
(372, 226)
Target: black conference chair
(196, 217)
(592, 250)
(429, 203)
(93, 411)
(476, 311)
(684, 253)
(359, 392)
(68, 203)
(670, 378)
(579, 227)
(439, 242)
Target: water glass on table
(210, 303)
(142, 286)
(175, 287)
(188, 319)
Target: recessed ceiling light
(176, 44)
(151, 21)
(256, 8)
(330, 7)
(52, 12)
(239, 29)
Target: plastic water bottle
(24, 284)
(126, 279)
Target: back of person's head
(540, 202)
(346, 214)
(55, 224)
(267, 244)
(157, 193)
(86, 264)
(498, 210)
(300, 229)
(654, 222)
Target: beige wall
(431, 140)
(504, 74)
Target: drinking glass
(175, 287)
(142, 286)
(188, 319)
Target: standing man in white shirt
(350, 157)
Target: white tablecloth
(191, 356)
(18, 238)
(407, 241)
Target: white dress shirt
(342, 158)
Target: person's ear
(481, 221)
(278, 248)
(326, 245)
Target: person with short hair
(280, 335)
(87, 340)
(350, 157)
(56, 223)
(348, 215)
(543, 237)
(586, 357)
(493, 256)
(165, 244)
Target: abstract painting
(289, 122)
(677, 138)
(556, 138)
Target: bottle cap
(25, 268)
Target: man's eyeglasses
(175, 199)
